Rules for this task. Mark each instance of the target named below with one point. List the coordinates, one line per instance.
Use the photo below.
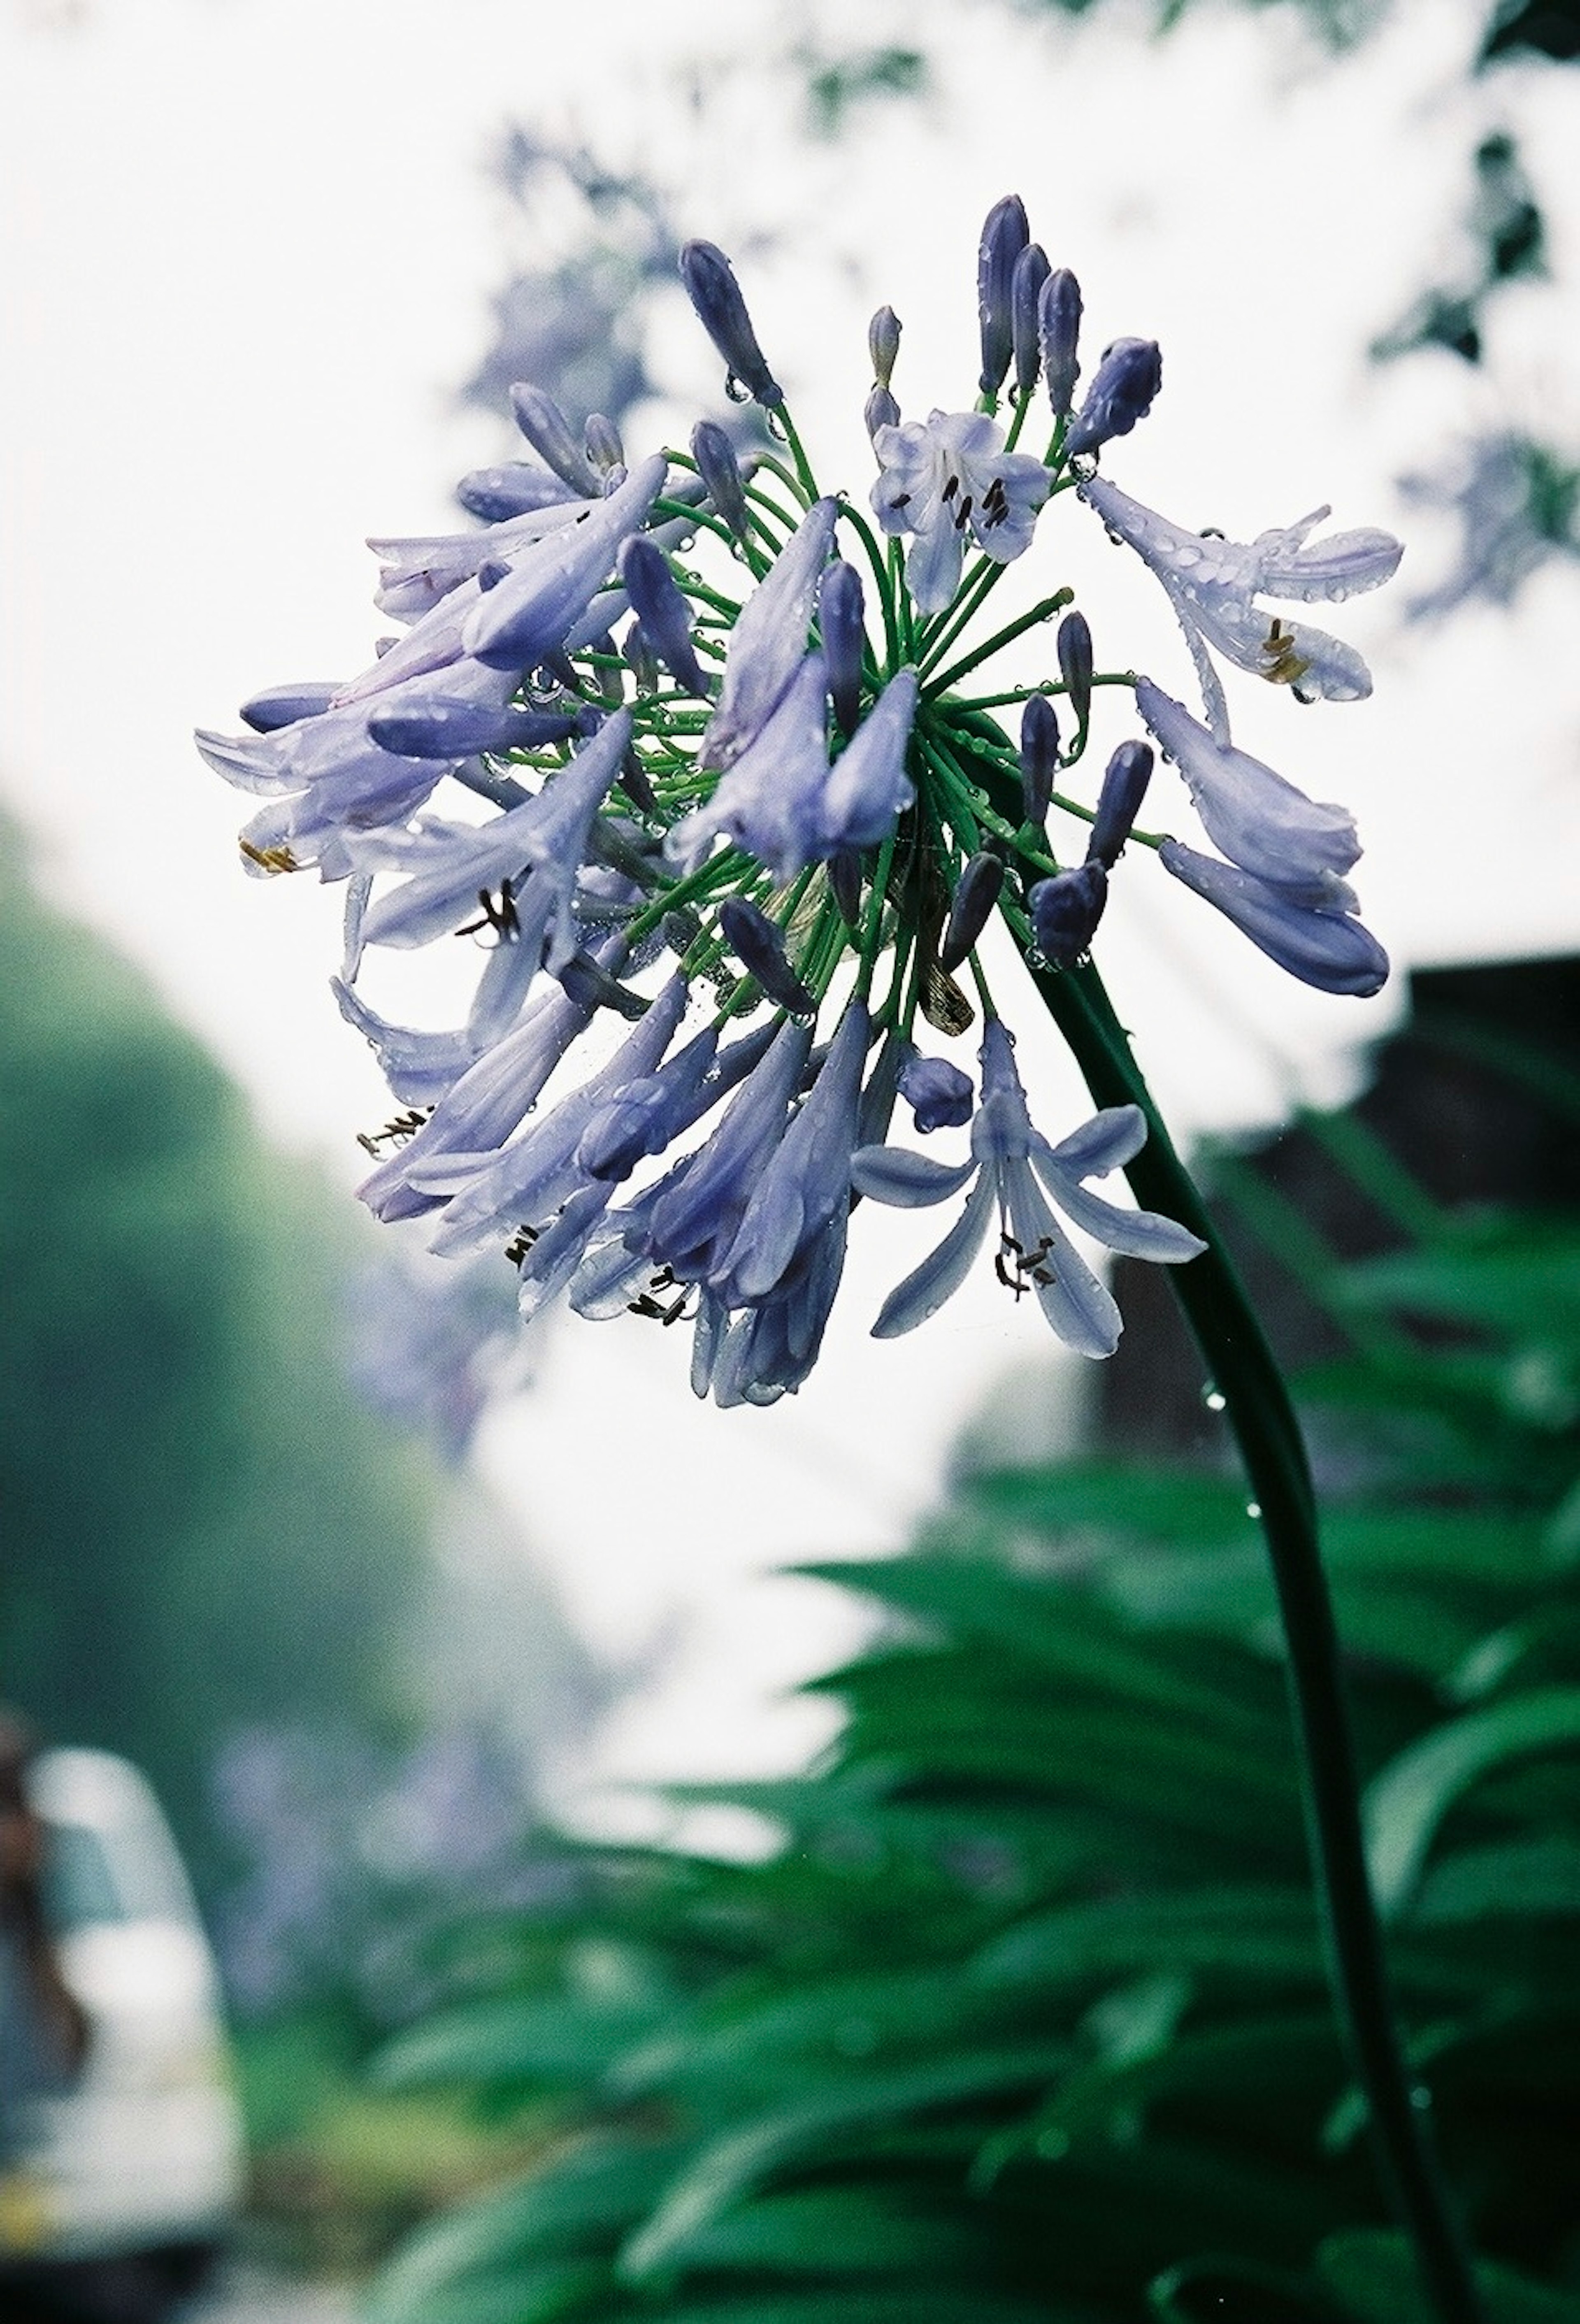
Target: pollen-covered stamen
(1281, 665)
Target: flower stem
(1245, 1373)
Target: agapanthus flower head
(724, 797)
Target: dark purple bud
(548, 431)
(656, 597)
(1075, 665)
(1121, 390)
(632, 780)
(492, 572)
(840, 617)
(884, 344)
(1025, 289)
(715, 295)
(1124, 786)
(495, 495)
(938, 1093)
(845, 878)
(1039, 757)
(1004, 235)
(444, 727)
(879, 410)
(759, 945)
(1058, 326)
(605, 450)
(1065, 913)
(584, 981)
(976, 894)
(283, 706)
(720, 471)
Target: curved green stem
(1246, 1374)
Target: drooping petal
(1251, 814)
(908, 1181)
(1328, 948)
(769, 642)
(940, 1274)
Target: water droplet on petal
(1253, 1509)
(1213, 1399)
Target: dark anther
(949, 491)
(394, 1133)
(963, 514)
(1017, 1269)
(995, 506)
(516, 1251)
(501, 917)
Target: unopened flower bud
(716, 295)
(604, 449)
(839, 616)
(1075, 665)
(976, 894)
(509, 490)
(283, 706)
(1004, 235)
(1121, 391)
(1065, 913)
(1039, 757)
(1124, 786)
(880, 410)
(1025, 289)
(940, 1095)
(720, 471)
(884, 344)
(656, 597)
(548, 431)
(758, 943)
(590, 985)
(1058, 324)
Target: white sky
(247, 254)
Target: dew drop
(1213, 1399)
(1253, 1509)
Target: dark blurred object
(1533, 28)
(574, 325)
(1507, 243)
(1518, 506)
(1475, 1102)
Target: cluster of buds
(738, 817)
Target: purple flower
(1010, 1166)
(947, 478)
(1004, 235)
(1058, 323)
(976, 891)
(940, 1095)
(716, 297)
(1212, 584)
(515, 625)
(1122, 388)
(1250, 815)
(549, 434)
(661, 609)
(720, 471)
(769, 642)
(1065, 911)
(1119, 802)
(1310, 929)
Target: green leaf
(1408, 1800)
(1527, 1877)
(526, 2295)
(1226, 2291)
(550, 2039)
(1267, 1933)
(729, 2167)
(836, 2231)
(584, 2202)
(1371, 2272)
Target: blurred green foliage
(1022, 2015)
(202, 1525)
